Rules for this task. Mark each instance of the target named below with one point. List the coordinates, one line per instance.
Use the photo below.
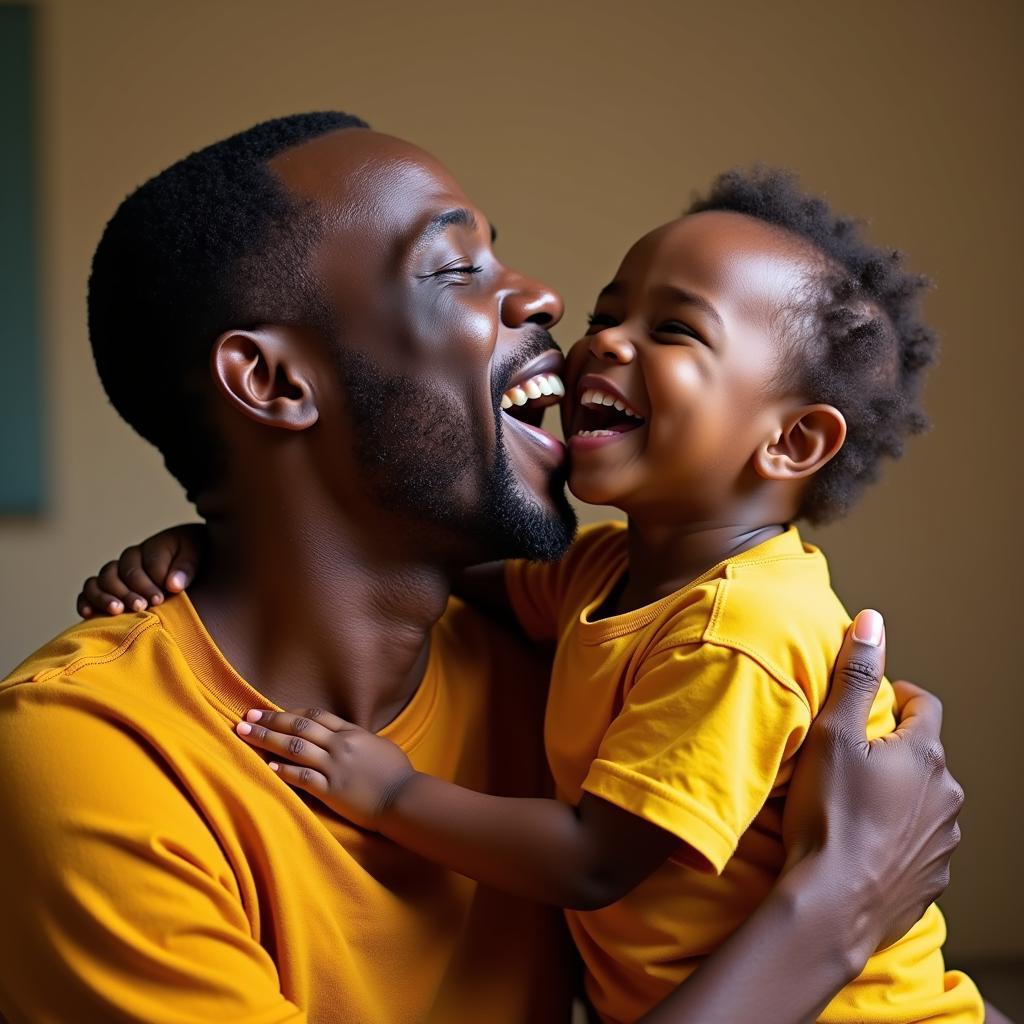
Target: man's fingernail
(869, 628)
(244, 728)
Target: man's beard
(420, 451)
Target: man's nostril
(540, 319)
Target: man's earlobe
(808, 438)
(266, 376)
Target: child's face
(689, 336)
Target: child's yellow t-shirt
(688, 713)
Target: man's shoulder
(120, 668)
(90, 649)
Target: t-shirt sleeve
(698, 746)
(540, 592)
(118, 903)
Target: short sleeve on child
(698, 746)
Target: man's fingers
(293, 725)
(294, 748)
(919, 712)
(857, 675)
(308, 779)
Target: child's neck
(665, 558)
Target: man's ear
(807, 438)
(266, 375)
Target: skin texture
(366, 567)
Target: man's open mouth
(535, 387)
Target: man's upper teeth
(594, 397)
(536, 387)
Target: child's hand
(164, 564)
(354, 772)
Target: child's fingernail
(138, 604)
(253, 716)
(177, 580)
(156, 599)
(869, 628)
(115, 607)
(87, 609)
(274, 766)
(244, 728)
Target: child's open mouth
(602, 415)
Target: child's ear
(807, 438)
(266, 375)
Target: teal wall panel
(21, 408)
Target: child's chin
(592, 492)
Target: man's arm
(118, 902)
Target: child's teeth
(619, 405)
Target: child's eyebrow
(672, 292)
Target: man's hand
(356, 773)
(145, 573)
(884, 813)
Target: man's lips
(550, 362)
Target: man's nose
(612, 346)
(531, 301)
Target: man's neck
(320, 617)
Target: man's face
(432, 330)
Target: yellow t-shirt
(153, 869)
(688, 713)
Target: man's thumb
(857, 674)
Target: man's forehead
(359, 173)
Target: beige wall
(577, 126)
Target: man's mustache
(537, 342)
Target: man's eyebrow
(459, 217)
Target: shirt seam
(97, 659)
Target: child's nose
(612, 346)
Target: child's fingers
(326, 719)
(312, 722)
(308, 779)
(169, 558)
(294, 748)
(134, 575)
(105, 593)
(84, 608)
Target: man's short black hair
(860, 344)
(214, 242)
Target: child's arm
(582, 857)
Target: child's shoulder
(774, 604)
